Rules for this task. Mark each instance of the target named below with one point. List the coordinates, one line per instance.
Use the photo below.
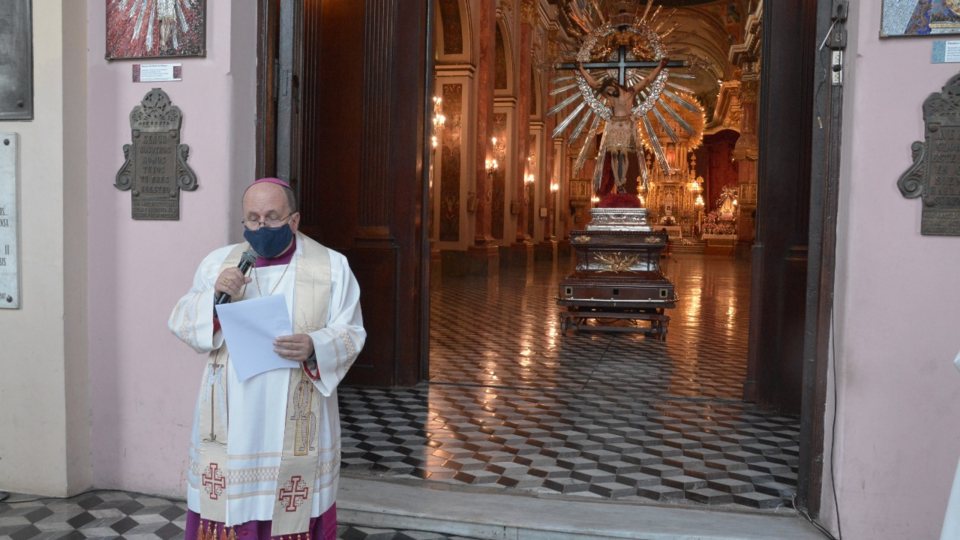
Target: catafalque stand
(617, 276)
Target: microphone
(247, 260)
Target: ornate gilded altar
(617, 276)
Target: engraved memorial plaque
(155, 166)
(16, 61)
(934, 176)
(9, 221)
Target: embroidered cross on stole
(297, 478)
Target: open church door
(794, 253)
(342, 91)
(775, 358)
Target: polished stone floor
(118, 514)
(511, 404)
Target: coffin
(617, 272)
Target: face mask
(269, 242)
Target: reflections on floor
(506, 332)
(119, 514)
(512, 404)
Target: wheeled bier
(617, 277)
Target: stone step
(482, 514)
(695, 246)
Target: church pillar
(484, 256)
(535, 178)
(745, 153)
(558, 188)
(453, 166)
(504, 128)
(529, 12)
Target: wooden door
(779, 287)
(356, 144)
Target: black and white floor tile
(511, 404)
(99, 514)
(130, 516)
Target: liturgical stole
(292, 501)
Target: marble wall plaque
(155, 165)
(9, 221)
(16, 60)
(934, 176)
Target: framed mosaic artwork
(139, 29)
(920, 18)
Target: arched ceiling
(703, 39)
(706, 29)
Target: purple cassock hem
(321, 528)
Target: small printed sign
(156, 72)
(946, 52)
(9, 223)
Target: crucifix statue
(613, 85)
(620, 130)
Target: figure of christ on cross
(620, 132)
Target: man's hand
(231, 281)
(297, 347)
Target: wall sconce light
(492, 165)
(554, 188)
(595, 200)
(438, 118)
(434, 138)
(528, 179)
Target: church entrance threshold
(512, 405)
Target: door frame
(821, 262)
(822, 256)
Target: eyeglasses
(253, 224)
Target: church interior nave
(518, 165)
(511, 404)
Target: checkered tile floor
(117, 514)
(100, 514)
(511, 404)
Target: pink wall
(897, 302)
(143, 381)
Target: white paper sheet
(249, 328)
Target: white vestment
(951, 521)
(256, 408)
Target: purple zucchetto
(277, 181)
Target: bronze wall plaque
(935, 173)
(155, 165)
(16, 60)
